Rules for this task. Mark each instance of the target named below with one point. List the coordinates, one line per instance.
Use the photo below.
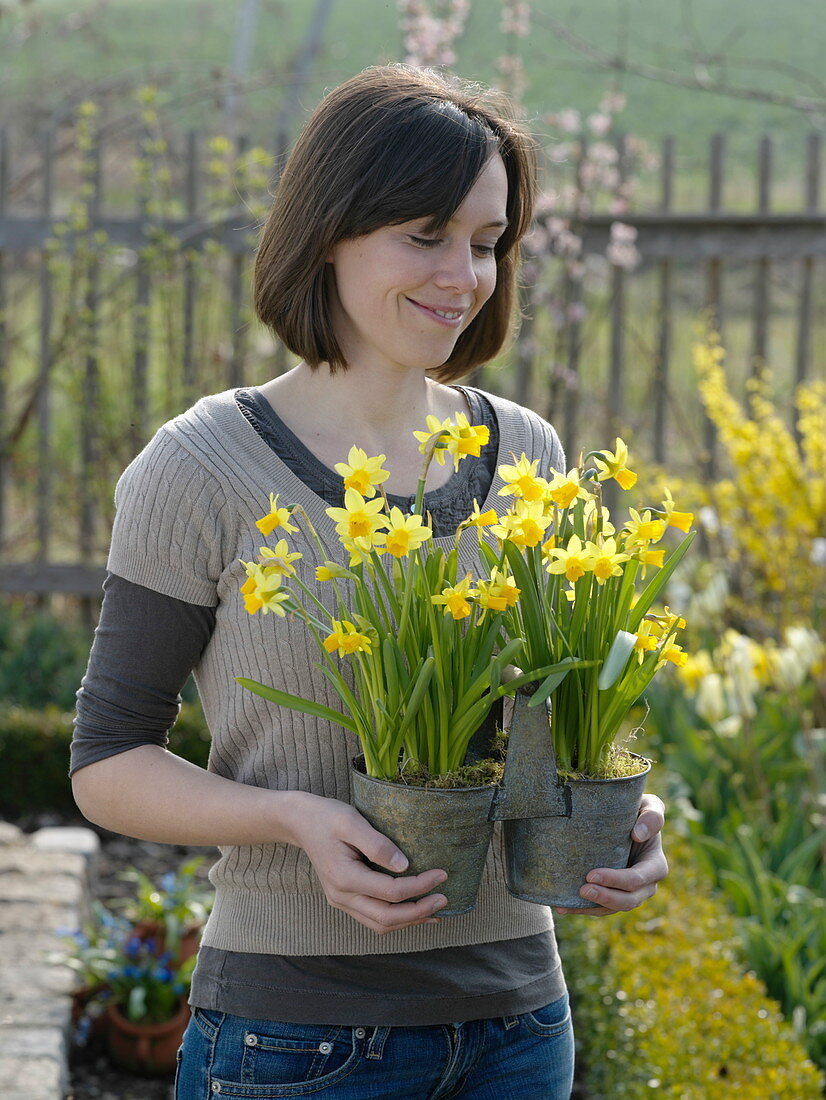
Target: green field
(184, 43)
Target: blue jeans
(527, 1057)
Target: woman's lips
(443, 315)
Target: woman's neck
(377, 408)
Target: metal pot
(446, 828)
(557, 830)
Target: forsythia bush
(663, 1008)
(767, 520)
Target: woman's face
(403, 296)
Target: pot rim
(354, 765)
(612, 778)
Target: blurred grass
(190, 38)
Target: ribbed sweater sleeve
(168, 533)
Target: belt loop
(375, 1047)
(510, 1021)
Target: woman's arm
(125, 780)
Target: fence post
(812, 201)
(4, 351)
(763, 270)
(714, 285)
(664, 328)
(191, 198)
(43, 402)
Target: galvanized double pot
(555, 831)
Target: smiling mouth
(450, 316)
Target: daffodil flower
(521, 480)
(262, 591)
(681, 520)
(404, 533)
(607, 561)
(465, 439)
(276, 517)
(646, 639)
(642, 529)
(564, 489)
(525, 525)
(359, 517)
(477, 518)
(331, 570)
(434, 427)
(363, 546)
(362, 473)
(615, 464)
(574, 560)
(456, 598)
(346, 639)
(280, 559)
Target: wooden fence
(59, 459)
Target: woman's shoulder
(539, 438)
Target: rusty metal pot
(557, 830)
(446, 828)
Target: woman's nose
(458, 269)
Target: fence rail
(56, 375)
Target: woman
(388, 265)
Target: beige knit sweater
(186, 512)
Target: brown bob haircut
(390, 145)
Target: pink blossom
(618, 205)
(622, 233)
(599, 124)
(568, 120)
(576, 313)
(515, 18)
(559, 153)
(429, 37)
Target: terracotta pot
(447, 828)
(148, 1049)
(155, 931)
(80, 1000)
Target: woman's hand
(338, 840)
(619, 891)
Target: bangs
(426, 171)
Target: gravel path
(93, 1077)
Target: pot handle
(530, 785)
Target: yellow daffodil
(262, 590)
(280, 559)
(362, 473)
(346, 639)
(574, 560)
(363, 546)
(331, 570)
(615, 464)
(642, 529)
(593, 519)
(434, 426)
(465, 438)
(673, 653)
(681, 520)
(276, 517)
(564, 489)
(404, 533)
(497, 593)
(525, 525)
(359, 517)
(521, 480)
(607, 561)
(478, 518)
(456, 598)
(647, 639)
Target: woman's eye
(424, 242)
(484, 249)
